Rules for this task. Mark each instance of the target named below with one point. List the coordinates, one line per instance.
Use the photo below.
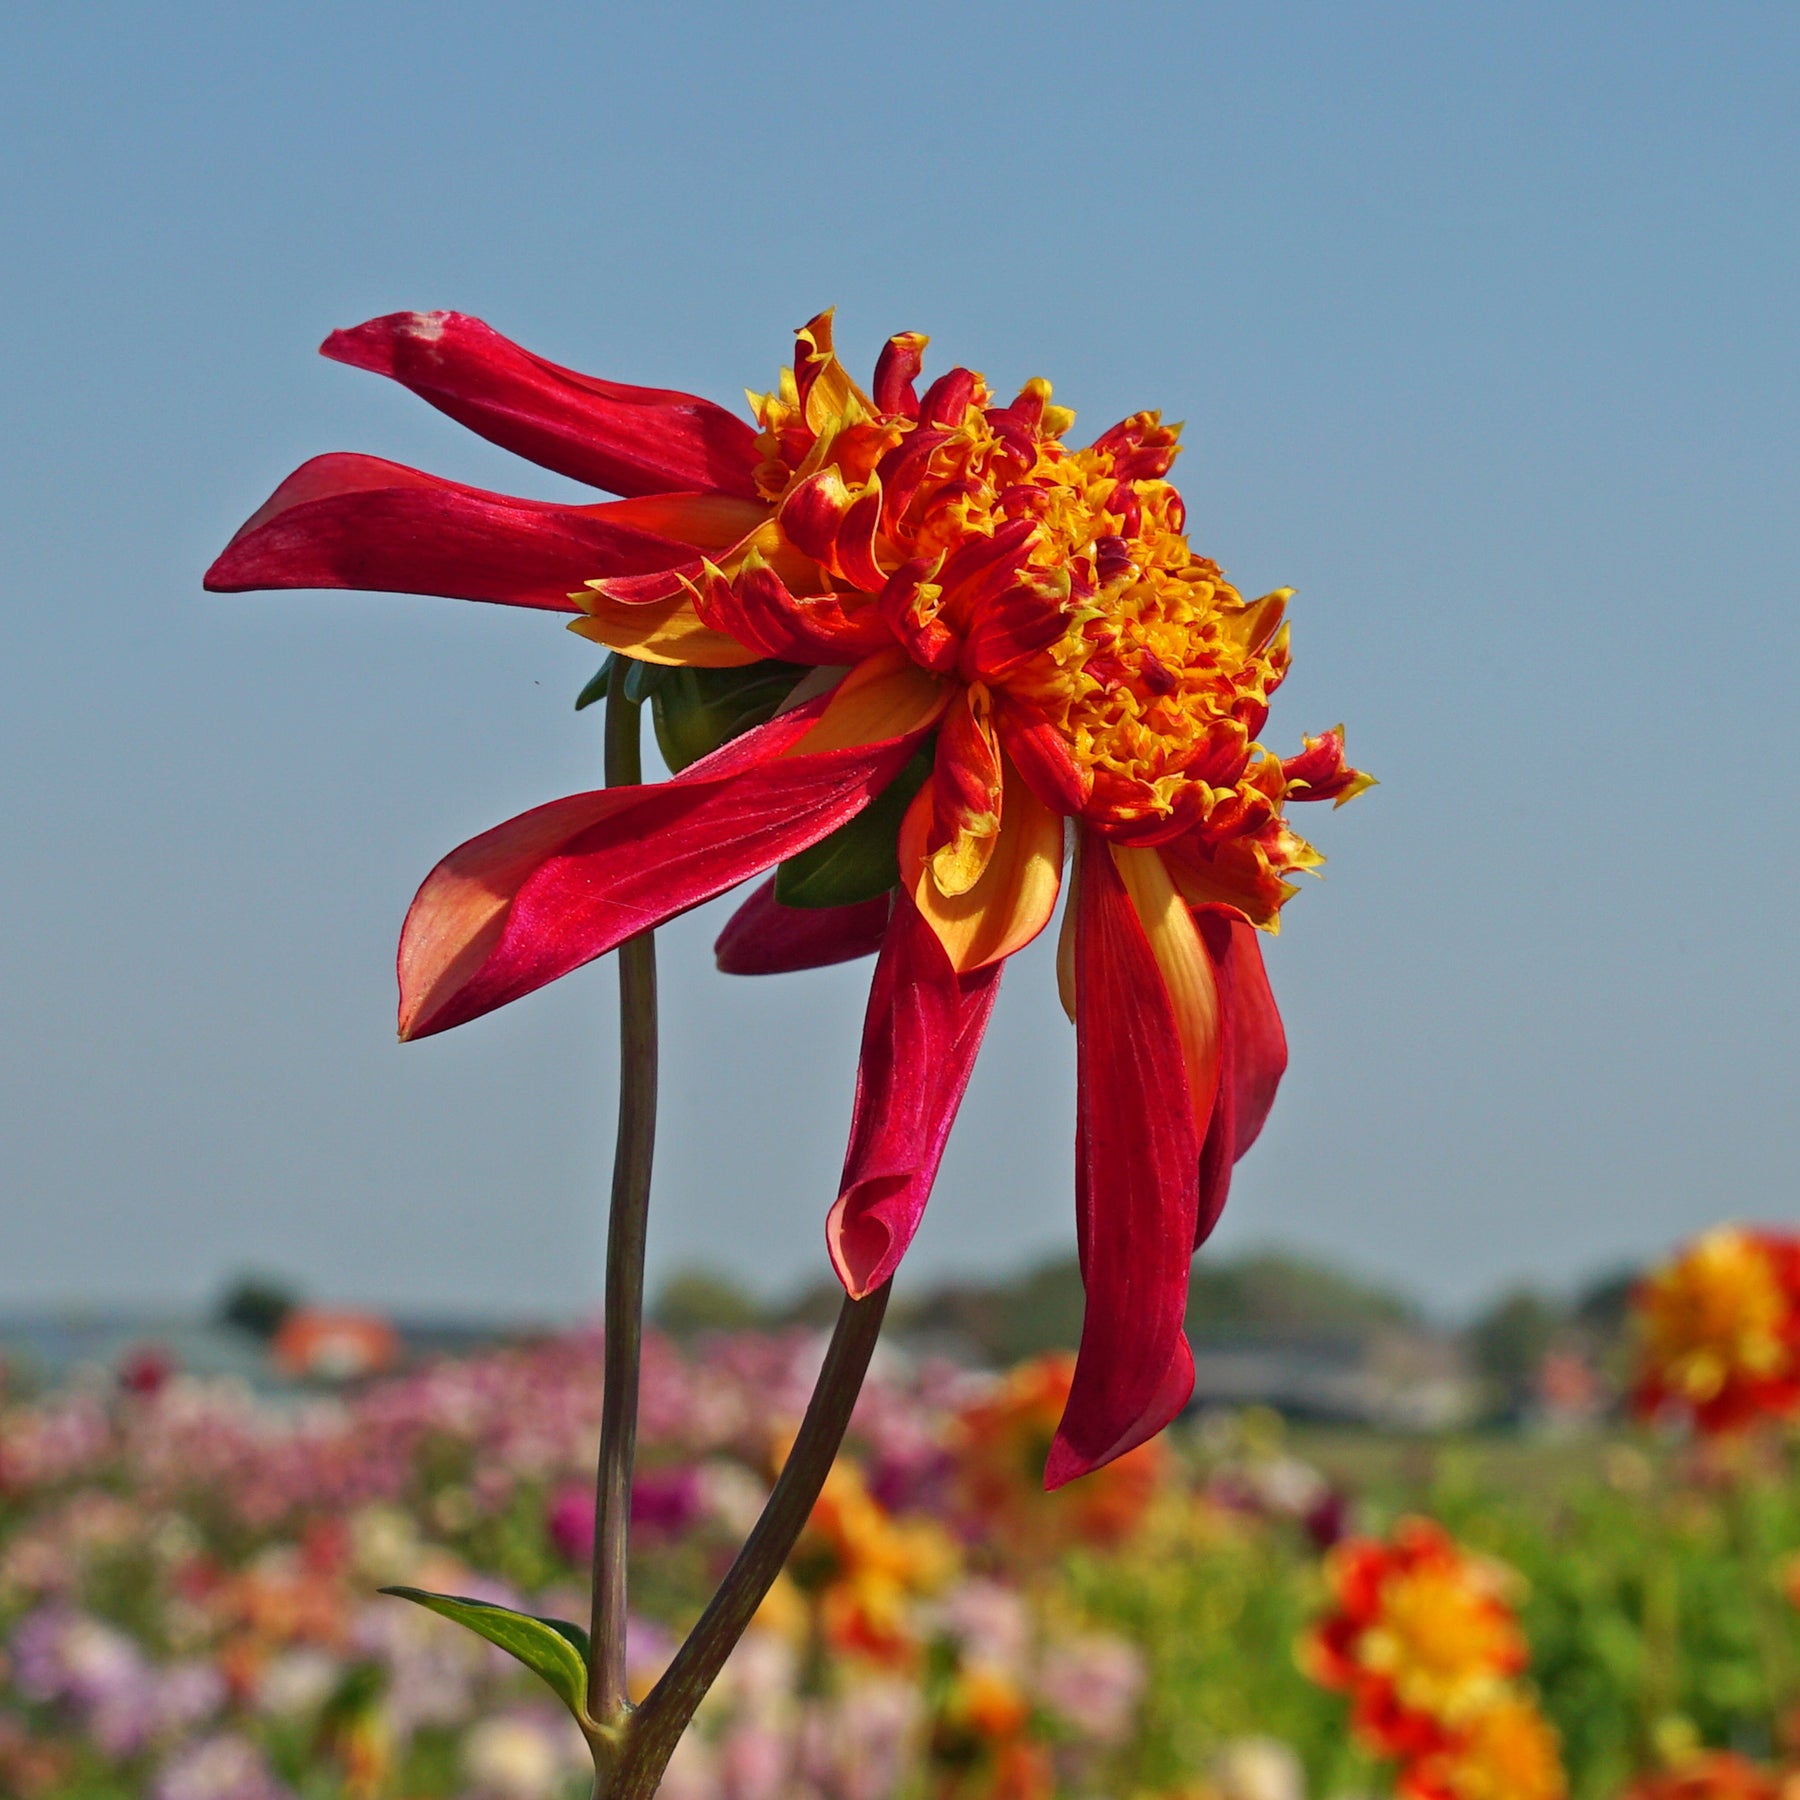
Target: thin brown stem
(656, 1727)
(607, 1700)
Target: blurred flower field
(189, 1605)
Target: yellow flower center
(1441, 1640)
(1161, 672)
(1153, 669)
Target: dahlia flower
(916, 654)
(1509, 1752)
(1421, 1635)
(1719, 1331)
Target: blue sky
(1482, 322)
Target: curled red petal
(947, 399)
(628, 440)
(1321, 771)
(763, 937)
(759, 609)
(910, 602)
(920, 1037)
(901, 359)
(556, 887)
(347, 521)
(1137, 1155)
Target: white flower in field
(1258, 1769)
(691, 1774)
(297, 1683)
(522, 1756)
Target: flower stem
(656, 1728)
(607, 1700)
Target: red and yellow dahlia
(1718, 1331)
(965, 653)
(1508, 1752)
(1421, 1635)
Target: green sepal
(554, 1650)
(596, 688)
(697, 710)
(642, 679)
(861, 859)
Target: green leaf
(860, 859)
(697, 710)
(553, 1649)
(595, 689)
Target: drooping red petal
(1137, 1156)
(628, 440)
(348, 521)
(1252, 1058)
(764, 937)
(920, 1037)
(544, 893)
(1261, 1053)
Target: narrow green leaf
(595, 689)
(552, 1649)
(860, 859)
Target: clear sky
(1483, 323)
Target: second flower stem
(631, 1748)
(664, 1715)
(607, 1699)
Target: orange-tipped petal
(1320, 771)
(660, 631)
(1016, 894)
(966, 789)
(884, 696)
(1136, 1171)
(1187, 972)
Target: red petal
(766, 938)
(902, 356)
(346, 521)
(628, 440)
(1252, 1058)
(544, 893)
(1320, 771)
(1137, 1156)
(920, 1036)
(1260, 1051)
(1042, 755)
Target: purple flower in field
(225, 1767)
(665, 1502)
(96, 1671)
(569, 1520)
(1093, 1682)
